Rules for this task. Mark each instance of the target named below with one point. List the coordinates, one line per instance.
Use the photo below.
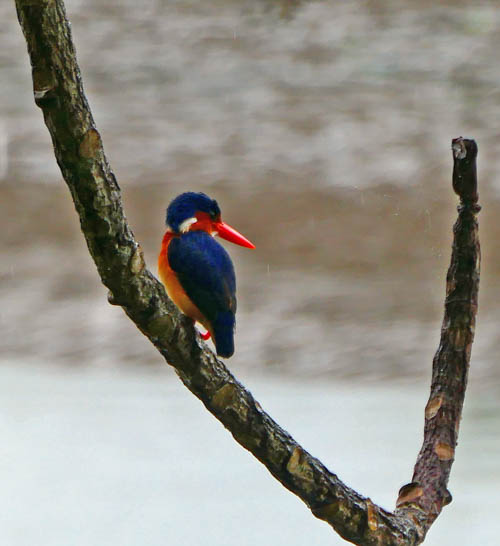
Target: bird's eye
(213, 215)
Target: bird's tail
(223, 334)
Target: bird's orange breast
(174, 288)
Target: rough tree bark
(78, 148)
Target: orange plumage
(174, 289)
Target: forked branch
(78, 148)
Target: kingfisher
(196, 270)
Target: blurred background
(323, 129)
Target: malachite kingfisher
(197, 271)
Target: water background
(323, 129)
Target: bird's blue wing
(206, 273)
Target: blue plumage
(205, 271)
(186, 205)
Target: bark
(58, 91)
(424, 498)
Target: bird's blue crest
(186, 205)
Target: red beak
(230, 234)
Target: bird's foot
(205, 336)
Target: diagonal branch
(78, 148)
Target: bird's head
(192, 211)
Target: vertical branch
(424, 498)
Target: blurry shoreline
(369, 297)
(328, 144)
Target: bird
(196, 270)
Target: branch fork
(58, 91)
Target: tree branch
(424, 498)
(78, 148)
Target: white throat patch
(184, 226)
